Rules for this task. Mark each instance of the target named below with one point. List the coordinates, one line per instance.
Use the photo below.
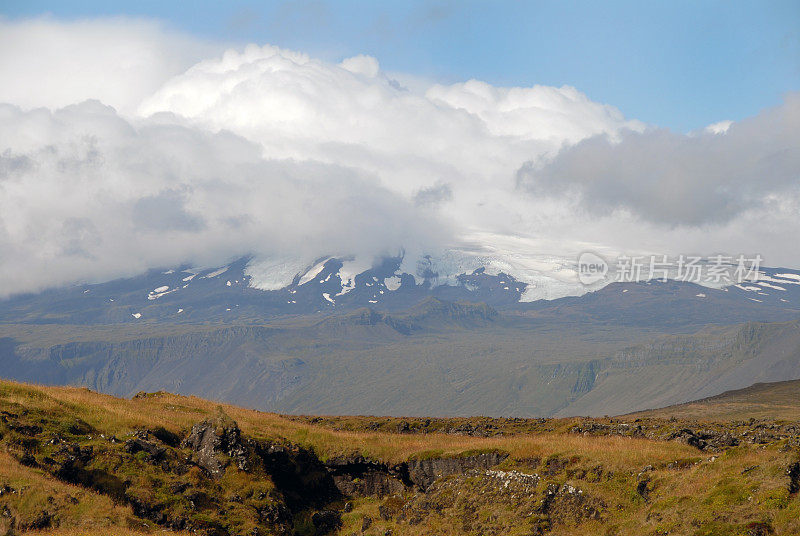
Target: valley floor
(73, 461)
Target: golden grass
(772, 401)
(119, 416)
(105, 531)
(724, 491)
(76, 509)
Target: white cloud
(99, 197)
(352, 114)
(120, 61)
(720, 127)
(274, 152)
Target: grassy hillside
(76, 462)
(777, 400)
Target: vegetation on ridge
(78, 462)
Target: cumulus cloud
(703, 178)
(258, 150)
(353, 114)
(100, 197)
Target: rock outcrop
(213, 441)
(424, 472)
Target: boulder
(212, 441)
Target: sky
(678, 64)
(153, 135)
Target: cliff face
(466, 360)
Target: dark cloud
(675, 179)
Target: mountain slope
(230, 294)
(675, 369)
(775, 400)
(438, 358)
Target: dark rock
(155, 452)
(302, 479)
(200, 500)
(424, 472)
(760, 529)
(276, 515)
(178, 487)
(326, 521)
(210, 439)
(794, 477)
(80, 427)
(165, 436)
(42, 520)
(643, 489)
(26, 429)
(361, 477)
(366, 523)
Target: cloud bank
(185, 153)
(98, 197)
(709, 177)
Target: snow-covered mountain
(251, 289)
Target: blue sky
(677, 64)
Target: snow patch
(136, 315)
(273, 273)
(393, 283)
(328, 297)
(351, 267)
(768, 285)
(748, 288)
(312, 272)
(215, 273)
(160, 291)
